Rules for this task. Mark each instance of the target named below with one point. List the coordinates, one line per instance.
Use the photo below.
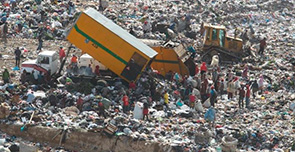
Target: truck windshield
(221, 37)
(43, 60)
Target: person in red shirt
(203, 68)
(145, 111)
(74, 63)
(62, 54)
(125, 103)
(74, 60)
(132, 85)
(248, 92)
(101, 109)
(80, 103)
(97, 72)
(192, 99)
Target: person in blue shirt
(210, 116)
(213, 96)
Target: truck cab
(86, 59)
(46, 61)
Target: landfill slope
(82, 141)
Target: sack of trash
(229, 144)
(215, 61)
(138, 111)
(4, 110)
(292, 106)
(207, 103)
(73, 111)
(199, 106)
(203, 136)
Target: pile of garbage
(268, 122)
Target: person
(101, 109)
(192, 99)
(229, 75)
(230, 89)
(17, 53)
(241, 97)
(203, 90)
(145, 111)
(248, 92)
(74, 63)
(221, 87)
(30, 96)
(254, 87)
(166, 99)
(100, 8)
(23, 77)
(88, 70)
(31, 77)
(5, 31)
(244, 36)
(6, 76)
(97, 72)
(125, 103)
(132, 32)
(132, 85)
(213, 96)
(197, 70)
(262, 46)
(215, 74)
(40, 78)
(74, 60)
(236, 32)
(40, 41)
(62, 54)
(245, 72)
(260, 83)
(146, 27)
(71, 7)
(203, 68)
(210, 116)
(80, 103)
(202, 29)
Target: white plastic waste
(207, 103)
(199, 106)
(138, 111)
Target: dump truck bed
(111, 45)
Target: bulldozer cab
(216, 41)
(216, 36)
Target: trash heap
(268, 124)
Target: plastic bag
(138, 111)
(207, 103)
(210, 114)
(199, 106)
(179, 103)
(215, 61)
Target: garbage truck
(111, 45)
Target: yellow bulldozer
(216, 42)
